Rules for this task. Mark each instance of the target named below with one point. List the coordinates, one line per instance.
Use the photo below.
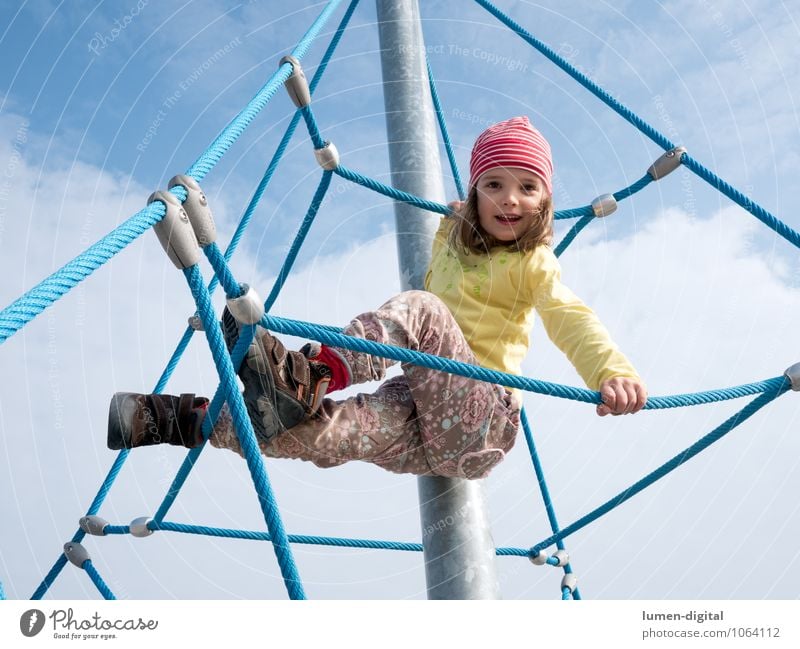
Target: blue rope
(299, 238)
(329, 336)
(241, 348)
(22, 311)
(581, 78)
(313, 128)
(391, 192)
(236, 127)
(222, 271)
(711, 178)
(792, 236)
(44, 294)
(2, 592)
(620, 195)
(260, 189)
(61, 561)
(216, 404)
(245, 433)
(369, 544)
(548, 501)
(183, 343)
(17, 314)
(448, 145)
(105, 591)
(276, 158)
(573, 232)
(682, 457)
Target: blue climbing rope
(97, 580)
(548, 501)
(448, 145)
(16, 315)
(244, 430)
(329, 336)
(626, 113)
(681, 458)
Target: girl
(491, 266)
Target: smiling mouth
(507, 218)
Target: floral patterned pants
(424, 422)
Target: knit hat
(513, 143)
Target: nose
(510, 197)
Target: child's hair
(468, 236)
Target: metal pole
(458, 547)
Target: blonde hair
(468, 236)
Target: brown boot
(147, 419)
(281, 388)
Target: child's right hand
(621, 396)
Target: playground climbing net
(184, 225)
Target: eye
(530, 187)
(492, 184)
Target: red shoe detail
(341, 376)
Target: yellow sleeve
(572, 326)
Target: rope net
(32, 303)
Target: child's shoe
(146, 419)
(281, 388)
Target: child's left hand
(621, 396)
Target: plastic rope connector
(570, 582)
(76, 553)
(139, 527)
(793, 374)
(175, 232)
(540, 559)
(93, 525)
(196, 323)
(562, 557)
(327, 157)
(604, 205)
(667, 163)
(248, 308)
(196, 207)
(297, 84)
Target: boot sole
(120, 412)
(259, 387)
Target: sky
(100, 105)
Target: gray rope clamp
(93, 525)
(562, 557)
(76, 553)
(604, 205)
(196, 323)
(139, 527)
(175, 232)
(540, 559)
(248, 308)
(570, 582)
(197, 209)
(327, 157)
(793, 374)
(297, 84)
(667, 163)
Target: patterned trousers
(424, 422)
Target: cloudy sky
(100, 106)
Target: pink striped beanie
(513, 143)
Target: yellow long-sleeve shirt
(493, 298)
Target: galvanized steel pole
(458, 547)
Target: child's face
(508, 201)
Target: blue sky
(93, 117)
